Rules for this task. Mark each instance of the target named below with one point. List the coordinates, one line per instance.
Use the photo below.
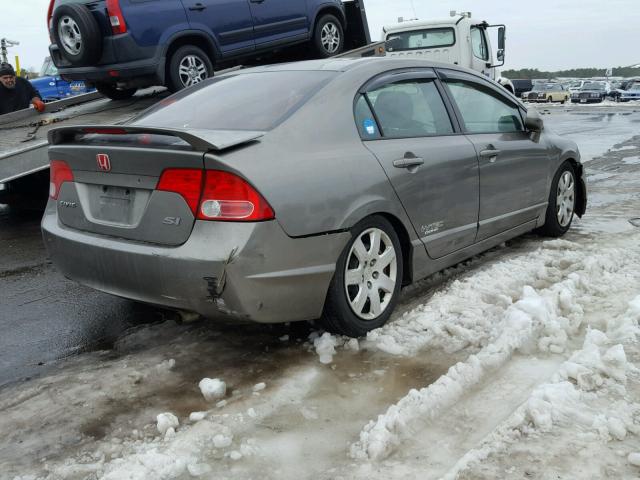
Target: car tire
(77, 34)
(550, 99)
(563, 188)
(188, 66)
(348, 308)
(328, 36)
(114, 93)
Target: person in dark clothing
(16, 93)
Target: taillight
(226, 196)
(116, 19)
(49, 15)
(59, 172)
(183, 181)
(216, 195)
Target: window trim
(399, 75)
(453, 30)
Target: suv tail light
(59, 172)
(220, 195)
(49, 15)
(116, 19)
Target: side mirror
(393, 43)
(500, 55)
(533, 122)
(501, 31)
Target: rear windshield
(250, 101)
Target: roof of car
(347, 64)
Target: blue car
(122, 45)
(52, 87)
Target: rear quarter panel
(153, 22)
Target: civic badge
(103, 162)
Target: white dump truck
(458, 39)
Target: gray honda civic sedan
(305, 191)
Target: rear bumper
(250, 271)
(121, 54)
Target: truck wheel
(328, 37)
(367, 280)
(77, 34)
(188, 65)
(115, 93)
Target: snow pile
(166, 422)
(325, 346)
(212, 388)
(587, 395)
(540, 320)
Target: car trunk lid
(116, 174)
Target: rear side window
(250, 101)
(482, 110)
(365, 120)
(410, 109)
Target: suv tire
(188, 65)
(114, 93)
(77, 34)
(328, 37)
(381, 275)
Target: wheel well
(405, 244)
(196, 40)
(333, 11)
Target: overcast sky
(544, 34)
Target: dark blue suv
(122, 45)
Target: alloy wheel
(69, 34)
(371, 274)
(330, 38)
(192, 70)
(565, 200)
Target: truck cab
(459, 40)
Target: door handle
(256, 1)
(198, 7)
(408, 162)
(490, 152)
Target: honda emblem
(103, 162)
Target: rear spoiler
(200, 140)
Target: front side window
(482, 110)
(417, 39)
(411, 108)
(479, 43)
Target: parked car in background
(591, 92)
(121, 45)
(631, 93)
(180, 207)
(521, 86)
(576, 86)
(52, 87)
(547, 92)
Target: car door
(406, 124)
(229, 21)
(514, 163)
(275, 21)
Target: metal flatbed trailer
(23, 134)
